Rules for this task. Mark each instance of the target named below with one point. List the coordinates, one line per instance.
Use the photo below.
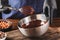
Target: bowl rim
(32, 28)
(33, 14)
(4, 37)
(47, 19)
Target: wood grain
(53, 32)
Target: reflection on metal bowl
(35, 28)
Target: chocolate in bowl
(5, 25)
(34, 25)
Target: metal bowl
(3, 35)
(35, 31)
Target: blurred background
(58, 8)
(56, 13)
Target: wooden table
(53, 32)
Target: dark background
(58, 8)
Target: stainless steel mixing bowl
(36, 31)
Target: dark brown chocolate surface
(32, 24)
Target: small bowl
(5, 25)
(34, 31)
(5, 35)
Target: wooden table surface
(53, 32)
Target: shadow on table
(50, 36)
(9, 39)
(47, 36)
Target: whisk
(27, 10)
